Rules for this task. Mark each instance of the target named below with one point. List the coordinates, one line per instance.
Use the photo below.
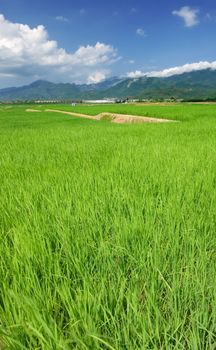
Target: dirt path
(115, 118)
(74, 114)
(32, 110)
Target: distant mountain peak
(40, 82)
(194, 85)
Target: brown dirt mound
(115, 118)
(128, 118)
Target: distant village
(109, 101)
(91, 102)
(101, 101)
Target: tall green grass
(107, 232)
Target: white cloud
(28, 53)
(96, 77)
(189, 16)
(131, 61)
(140, 32)
(61, 19)
(135, 74)
(187, 68)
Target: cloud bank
(187, 68)
(189, 16)
(27, 53)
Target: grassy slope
(107, 232)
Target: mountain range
(196, 85)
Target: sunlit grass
(108, 231)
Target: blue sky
(87, 41)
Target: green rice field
(107, 231)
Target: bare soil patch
(116, 118)
(201, 103)
(32, 110)
(156, 104)
(128, 118)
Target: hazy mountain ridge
(194, 85)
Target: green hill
(194, 85)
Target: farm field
(181, 112)
(108, 231)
